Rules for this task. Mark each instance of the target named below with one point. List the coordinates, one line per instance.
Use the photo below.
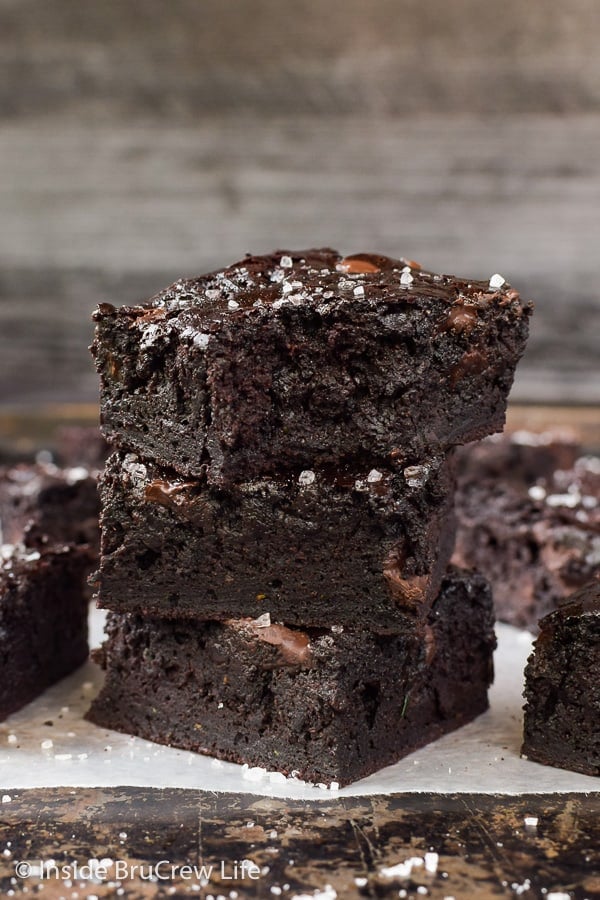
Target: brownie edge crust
(328, 705)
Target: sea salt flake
(359, 291)
(263, 621)
(496, 281)
(76, 473)
(431, 861)
(531, 821)
(286, 262)
(568, 500)
(306, 477)
(47, 744)
(374, 476)
(233, 304)
(403, 869)
(6, 798)
(406, 278)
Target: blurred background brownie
(43, 620)
(562, 686)
(528, 511)
(41, 503)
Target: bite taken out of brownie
(43, 620)
(330, 705)
(562, 687)
(365, 549)
(297, 360)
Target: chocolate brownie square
(43, 620)
(42, 504)
(519, 458)
(293, 361)
(363, 549)
(536, 543)
(562, 687)
(327, 704)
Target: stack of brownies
(278, 510)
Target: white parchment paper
(481, 757)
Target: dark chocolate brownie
(80, 445)
(519, 458)
(292, 361)
(323, 548)
(536, 544)
(330, 705)
(43, 620)
(562, 687)
(42, 504)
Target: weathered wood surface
(93, 213)
(184, 57)
(139, 142)
(485, 848)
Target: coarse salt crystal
(496, 281)
(47, 744)
(286, 262)
(6, 798)
(306, 477)
(568, 500)
(233, 304)
(374, 475)
(406, 278)
(263, 621)
(537, 492)
(431, 861)
(403, 869)
(359, 291)
(531, 821)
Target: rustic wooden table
(337, 848)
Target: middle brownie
(316, 549)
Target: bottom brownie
(43, 620)
(328, 705)
(562, 687)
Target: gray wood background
(140, 141)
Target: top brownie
(294, 360)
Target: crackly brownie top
(324, 280)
